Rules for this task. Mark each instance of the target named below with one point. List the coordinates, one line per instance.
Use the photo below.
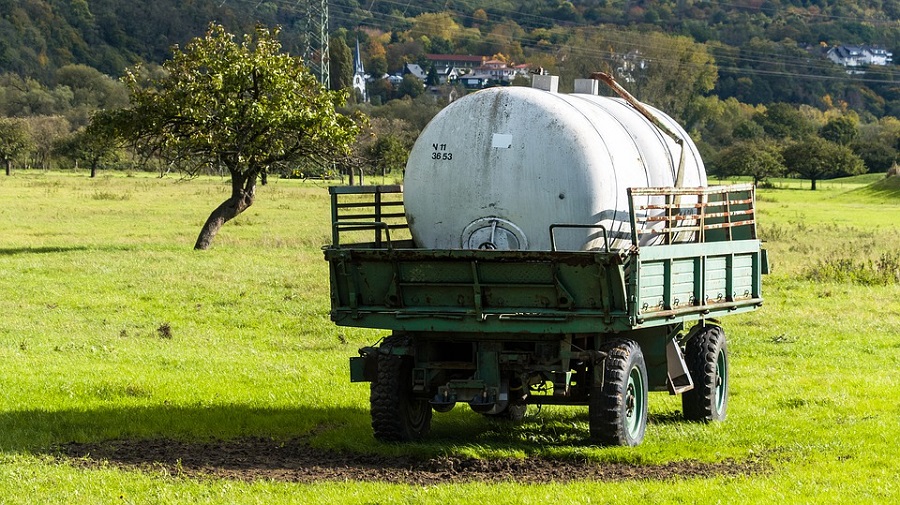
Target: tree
(389, 154)
(758, 159)
(815, 158)
(437, 24)
(14, 141)
(94, 145)
(380, 91)
(668, 72)
(432, 79)
(410, 86)
(386, 145)
(246, 107)
(378, 66)
(676, 71)
(341, 61)
(877, 144)
(841, 130)
(91, 88)
(45, 132)
(782, 120)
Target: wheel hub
(629, 402)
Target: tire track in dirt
(251, 459)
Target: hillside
(885, 190)
(39, 36)
(764, 51)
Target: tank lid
(545, 83)
(493, 233)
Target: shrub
(882, 271)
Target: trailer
(500, 330)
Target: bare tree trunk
(8, 167)
(243, 191)
(93, 170)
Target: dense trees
(735, 76)
(246, 107)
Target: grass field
(113, 328)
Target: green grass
(113, 327)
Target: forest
(749, 79)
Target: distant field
(219, 370)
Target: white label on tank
(502, 141)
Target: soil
(251, 459)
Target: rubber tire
(706, 355)
(617, 409)
(396, 415)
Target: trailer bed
(393, 285)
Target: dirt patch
(252, 459)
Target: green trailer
(501, 330)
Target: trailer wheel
(396, 415)
(706, 354)
(617, 408)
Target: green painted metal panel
(653, 282)
(683, 282)
(743, 275)
(699, 250)
(715, 279)
(539, 293)
(533, 292)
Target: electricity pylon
(315, 54)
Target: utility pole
(315, 54)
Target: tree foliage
(341, 64)
(841, 130)
(716, 67)
(410, 86)
(815, 158)
(45, 132)
(95, 145)
(784, 121)
(14, 141)
(245, 107)
(878, 144)
(757, 159)
(676, 71)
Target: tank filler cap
(493, 233)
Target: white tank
(497, 168)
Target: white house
(859, 56)
(496, 70)
(415, 70)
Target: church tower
(359, 75)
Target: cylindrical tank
(497, 168)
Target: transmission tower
(315, 54)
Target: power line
(620, 39)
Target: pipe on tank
(628, 97)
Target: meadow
(114, 329)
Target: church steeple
(358, 64)
(359, 74)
